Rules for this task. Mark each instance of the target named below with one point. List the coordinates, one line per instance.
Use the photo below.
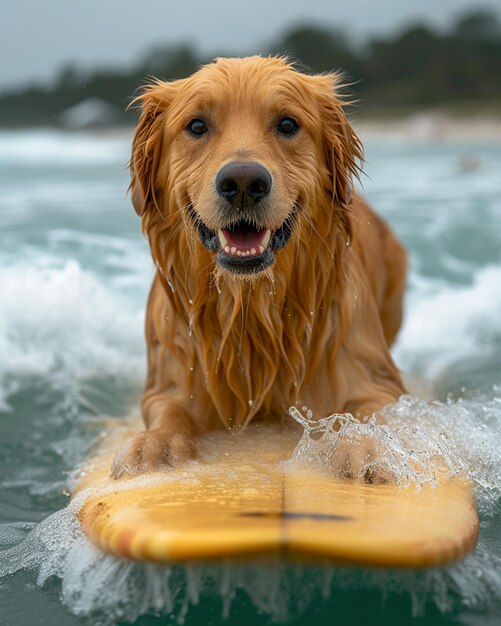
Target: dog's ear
(147, 142)
(343, 151)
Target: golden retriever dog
(275, 284)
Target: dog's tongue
(244, 238)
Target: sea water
(74, 276)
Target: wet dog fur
(236, 334)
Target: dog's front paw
(362, 460)
(150, 451)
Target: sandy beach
(431, 127)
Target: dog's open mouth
(244, 247)
(244, 240)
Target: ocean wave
(97, 326)
(446, 324)
(49, 148)
(65, 325)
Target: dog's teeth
(234, 251)
(266, 239)
(222, 239)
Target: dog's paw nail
(150, 451)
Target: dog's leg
(168, 441)
(358, 459)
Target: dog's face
(240, 152)
(240, 137)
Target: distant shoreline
(431, 128)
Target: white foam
(413, 441)
(446, 324)
(65, 150)
(397, 452)
(64, 325)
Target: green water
(74, 274)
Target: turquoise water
(74, 275)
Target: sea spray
(401, 455)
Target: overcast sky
(37, 37)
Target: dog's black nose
(243, 183)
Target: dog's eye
(287, 126)
(197, 127)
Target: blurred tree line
(419, 67)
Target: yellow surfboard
(239, 500)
